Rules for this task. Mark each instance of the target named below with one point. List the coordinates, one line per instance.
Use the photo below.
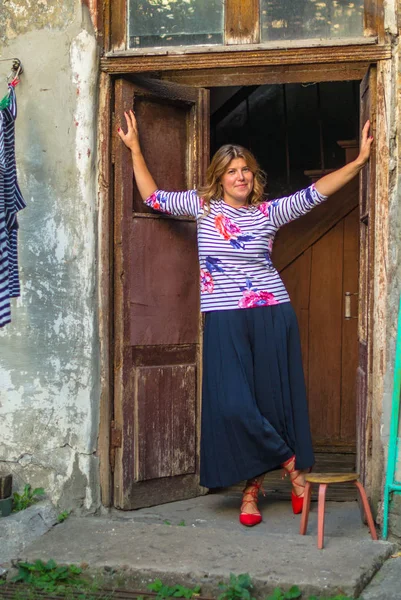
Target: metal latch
(347, 305)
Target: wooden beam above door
(251, 57)
(270, 75)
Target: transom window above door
(305, 19)
(175, 22)
(169, 23)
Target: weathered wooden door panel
(166, 439)
(318, 255)
(164, 139)
(164, 297)
(295, 238)
(297, 277)
(324, 389)
(157, 324)
(349, 359)
(365, 322)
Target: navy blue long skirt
(254, 407)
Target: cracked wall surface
(20, 16)
(49, 381)
(394, 261)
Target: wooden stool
(323, 479)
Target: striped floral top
(235, 245)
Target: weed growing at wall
(27, 498)
(63, 516)
(49, 576)
(292, 594)
(67, 583)
(175, 591)
(38, 580)
(239, 587)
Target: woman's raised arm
(144, 180)
(331, 183)
(179, 204)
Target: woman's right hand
(131, 138)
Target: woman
(254, 407)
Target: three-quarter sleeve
(179, 204)
(287, 209)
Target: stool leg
(367, 510)
(305, 508)
(320, 515)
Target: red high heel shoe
(297, 500)
(251, 519)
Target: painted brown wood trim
(118, 24)
(181, 95)
(221, 48)
(296, 56)
(333, 447)
(203, 162)
(249, 76)
(144, 356)
(374, 18)
(156, 215)
(242, 22)
(123, 193)
(368, 99)
(105, 286)
(106, 26)
(383, 280)
(148, 494)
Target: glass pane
(306, 19)
(175, 22)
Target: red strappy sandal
(297, 500)
(251, 519)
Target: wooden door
(365, 324)
(155, 433)
(318, 257)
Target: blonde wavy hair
(213, 190)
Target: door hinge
(115, 442)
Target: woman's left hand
(331, 183)
(366, 145)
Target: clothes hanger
(12, 78)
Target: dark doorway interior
(290, 128)
(294, 130)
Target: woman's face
(237, 182)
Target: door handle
(347, 305)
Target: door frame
(276, 71)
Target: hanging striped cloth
(11, 201)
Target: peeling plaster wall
(49, 355)
(393, 264)
(394, 275)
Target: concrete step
(143, 545)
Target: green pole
(391, 486)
